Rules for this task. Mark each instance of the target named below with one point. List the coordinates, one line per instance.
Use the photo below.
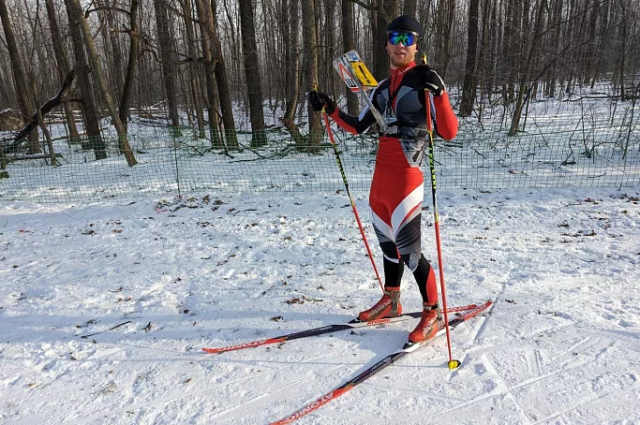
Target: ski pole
(353, 204)
(453, 364)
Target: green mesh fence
(592, 143)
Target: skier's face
(399, 54)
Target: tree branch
(44, 109)
(361, 3)
(97, 9)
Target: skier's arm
(355, 125)
(446, 120)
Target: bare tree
(111, 45)
(622, 45)
(410, 7)
(205, 17)
(444, 27)
(603, 23)
(589, 57)
(329, 46)
(291, 13)
(75, 11)
(311, 69)
(6, 94)
(63, 64)
(89, 110)
(349, 43)
(222, 81)
(165, 40)
(19, 76)
(512, 48)
(555, 33)
(485, 50)
(37, 118)
(469, 85)
(525, 84)
(193, 72)
(386, 11)
(481, 46)
(252, 72)
(132, 65)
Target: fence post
(175, 133)
(3, 165)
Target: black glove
(321, 100)
(428, 79)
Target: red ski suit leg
(396, 196)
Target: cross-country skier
(397, 188)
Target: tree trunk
(469, 85)
(622, 41)
(223, 83)
(76, 11)
(386, 11)
(525, 84)
(555, 35)
(117, 68)
(132, 64)
(603, 41)
(89, 111)
(293, 68)
(252, 73)
(378, 30)
(570, 35)
(204, 15)
(270, 58)
(63, 65)
(348, 43)
(410, 8)
(44, 109)
(512, 48)
(235, 66)
(493, 47)
(290, 17)
(444, 27)
(3, 165)
(38, 117)
(165, 40)
(19, 76)
(524, 27)
(485, 50)
(311, 70)
(330, 44)
(193, 72)
(6, 95)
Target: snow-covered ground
(561, 345)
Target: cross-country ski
(352, 324)
(379, 366)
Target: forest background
(223, 69)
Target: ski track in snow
(561, 344)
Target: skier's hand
(321, 100)
(428, 79)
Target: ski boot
(430, 324)
(388, 306)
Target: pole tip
(454, 364)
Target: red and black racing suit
(397, 189)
